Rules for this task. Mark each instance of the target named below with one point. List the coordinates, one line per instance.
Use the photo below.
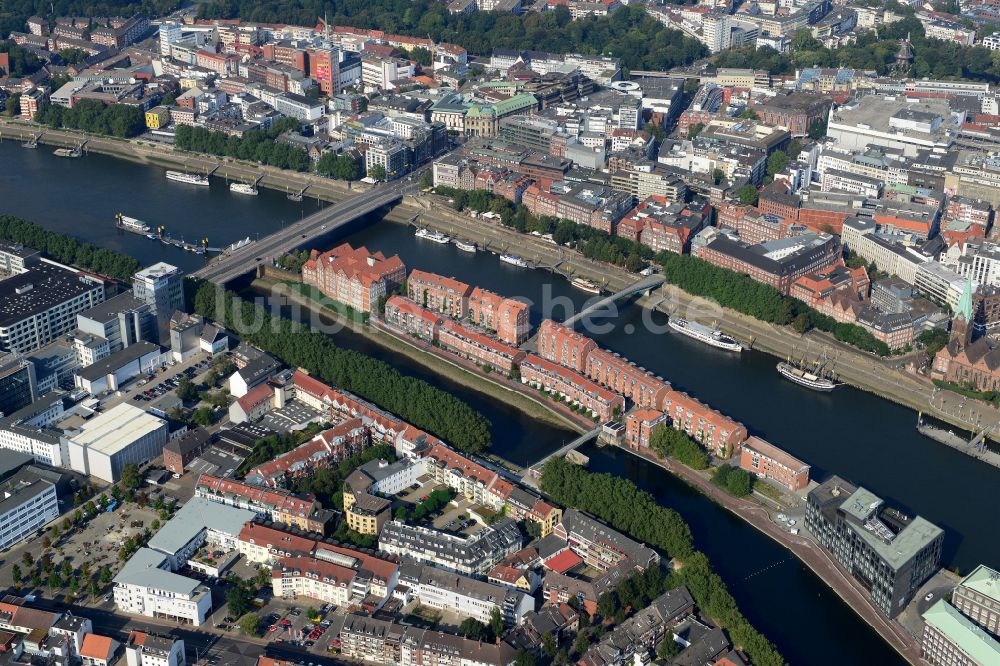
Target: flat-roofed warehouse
(124, 434)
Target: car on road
(928, 596)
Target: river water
(864, 439)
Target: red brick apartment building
(564, 346)
(769, 462)
(619, 374)
(599, 401)
(639, 425)
(403, 314)
(441, 294)
(352, 276)
(717, 432)
(478, 347)
(506, 316)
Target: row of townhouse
(507, 318)
(559, 344)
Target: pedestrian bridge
(534, 472)
(645, 284)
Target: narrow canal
(866, 440)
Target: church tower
(961, 325)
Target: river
(862, 438)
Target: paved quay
(814, 556)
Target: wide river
(864, 439)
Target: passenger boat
(432, 236)
(190, 178)
(513, 260)
(243, 188)
(66, 152)
(803, 378)
(710, 336)
(465, 247)
(131, 224)
(585, 285)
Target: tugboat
(802, 378)
(710, 336)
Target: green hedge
(412, 399)
(68, 250)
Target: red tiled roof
(96, 647)
(563, 562)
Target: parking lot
(154, 385)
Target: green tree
(105, 575)
(238, 597)
(748, 114)
(667, 649)
(607, 605)
(776, 161)
(496, 622)
(93, 589)
(695, 130)
(131, 478)
(422, 56)
(717, 175)
(748, 195)
(55, 582)
(249, 624)
(203, 416)
(186, 389)
(549, 647)
(16, 575)
(817, 130)
(427, 180)
(377, 172)
(524, 658)
(474, 630)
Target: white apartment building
(882, 166)
(859, 236)
(466, 596)
(315, 579)
(980, 261)
(145, 586)
(144, 649)
(28, 505)
(390, 154)
(41, 304)
(941, 284)
(381, 72)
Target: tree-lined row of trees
(621, 504)
(257, 145)
(412, 399)
(592, 243)
(742, 293)
(629, 33)
(90, 115)
(673, 443)
(68, 250)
